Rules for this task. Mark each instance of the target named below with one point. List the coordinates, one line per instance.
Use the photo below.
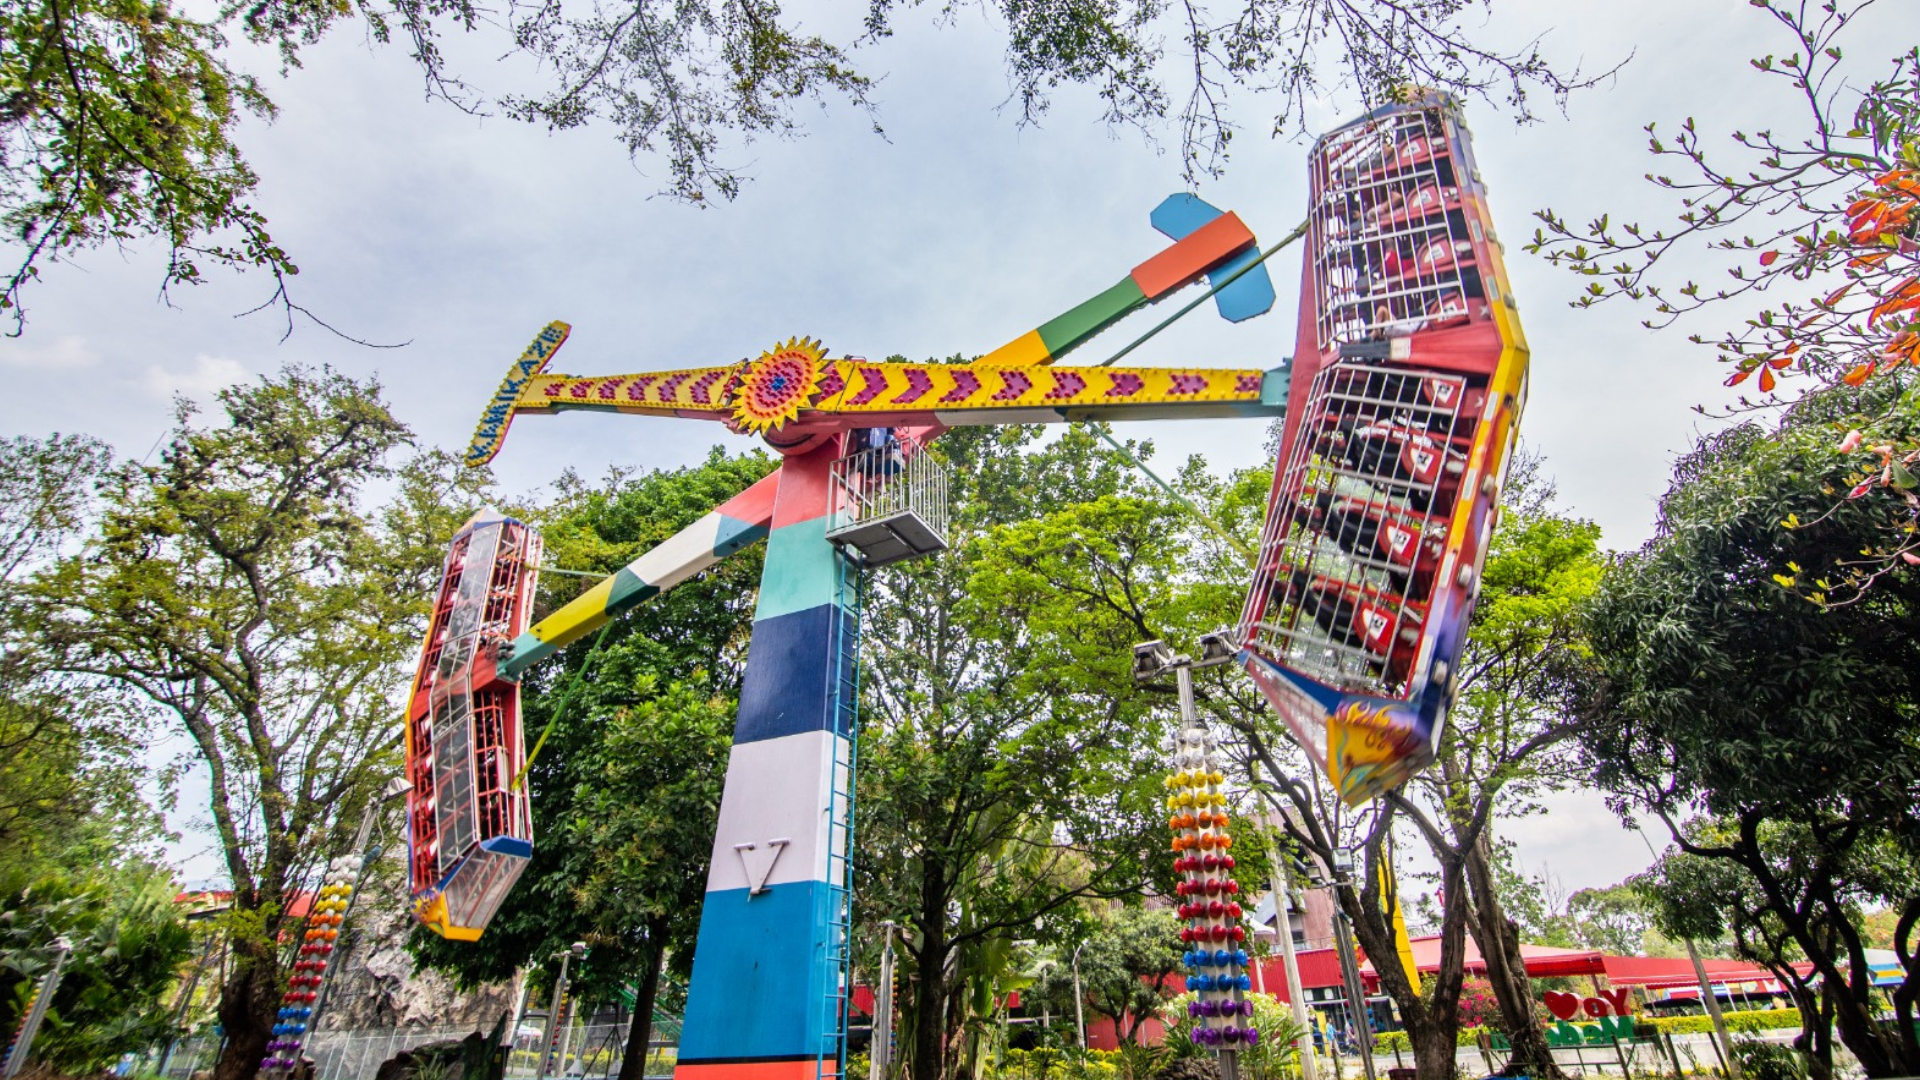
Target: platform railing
(890, 499)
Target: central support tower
(767, 999)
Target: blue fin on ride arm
(1179, 215)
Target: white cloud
(61, 354)
(210, 375)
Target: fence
(594, 1050)
(1659, 1056)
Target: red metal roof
(1542, 961)
(1662, 972)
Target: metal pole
(1724, 1047)
(1356, 993)
(566, 1038)
(1079, 1010)
(522, 992)
(43, 997)
(1283, 929)
(553, 1017)
(1183, 678)
(880, 1053)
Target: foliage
(1128, 957)
(1198, 1067)
(1762, 1059)
(1740, 1020)
(118, 118)
(244, 588)
(128, 944)
(1614, 919)
(1878, 927)
(1126, 1063)
(1816, 224)
(1465, 1035)
(117, 122)
(626, 790)
(1478, 1007)
(1274, 1021)
(69, 761)
(1729, 696)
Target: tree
(116, 125)
(1352, 852)
(118, 119)
(1128, 958)
(1710, 899)
(127, 942)
(1614, 919)
(69, 773)
(1505, 742)
(1003, 776)
(1535, 903)
(244, 589)
(626, 789)
(1091, 580)
(1817, 229)
(1722, 694)
(1507, 738)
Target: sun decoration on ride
(778, 384)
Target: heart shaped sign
(1562, 1005)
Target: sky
(955, 232)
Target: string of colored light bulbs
(310, 969)
(1216, 959)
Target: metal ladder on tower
(835, 914)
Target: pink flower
(1852, 442)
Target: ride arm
(736, 523)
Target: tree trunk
(930, 978)
(1434, 1050)
(633, 1065)
(1816, 1028)
(1506, 970)
(1432, 1020)
(1878, 1048)
(249, 999)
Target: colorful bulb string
(1216, 957)
(310, 969)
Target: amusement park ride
(1400, 405)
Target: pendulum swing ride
(1400, 408)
